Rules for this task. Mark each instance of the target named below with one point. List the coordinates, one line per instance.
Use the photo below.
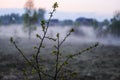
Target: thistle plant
(35, 64)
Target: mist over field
(87, 34)
(101, 63)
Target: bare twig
(22, 53)
(42, 39)
(73, 55)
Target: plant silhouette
(35, 64)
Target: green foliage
(94, 23)
(40, 69)
(34, 18)
(26, 18)
(73, 74)
(55, 5)
(30, 20)
(42, 22)
(11, 40)
(38, 36)
(106, 22)
(72, 30)
(57, 35)
(43, 25)
(114, 27)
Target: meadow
(100, 63)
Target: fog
(87, 34)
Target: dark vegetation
(40, 13)
(114, 27)
(103, 28)
(101, 63)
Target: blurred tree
(114, 27)
(117, 15)
(87, 21)
(29, 17)
(67, 23)
(41, 13)
(6, 19)
(94, 23)
(32, 16)
(15, 18)
(105, 22)
(11, 19)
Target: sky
(99, 7)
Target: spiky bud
(11, 39)
(72, 30)
(55, 5)
(58, 35)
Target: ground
(101, 63)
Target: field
(101, 63)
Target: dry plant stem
(41, 43)
(58, 52)
(28, 61)
(74, 55)
(21, 52)
(37, 67)
(65, 38)
(57, 58)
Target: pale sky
(96, 6)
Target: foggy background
(93, 21)
(86, 34)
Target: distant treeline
(19, 19)
(11, 19)
(104, 27)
